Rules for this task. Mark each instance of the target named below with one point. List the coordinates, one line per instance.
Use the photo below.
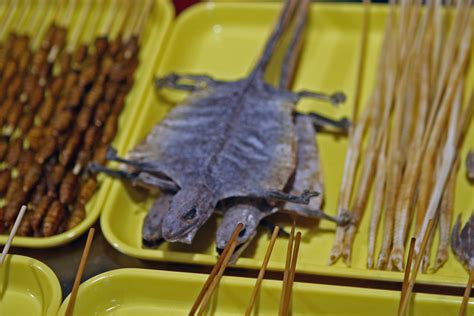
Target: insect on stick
(256, 288)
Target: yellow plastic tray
(28, 287)
(149, 292)
(224, 40)
(153, 40)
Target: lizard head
(190, 208)
(246, 214)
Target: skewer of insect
(29, 169)
(27, 102)
(5, 45)
(10, 81)
(22, 88)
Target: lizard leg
(341, 220)
(185, 82)
(120, 174)
(321, 121)
(143, 179)
(335, 99)
(287, 197)
(150, 166)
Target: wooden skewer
(6, 19)
(147, 8)
(291, 278)
(406, 276)
(80, 271)
(362, 55)
(404, 300)
(262, 271)
(286, 274)
(467, 294)
(12, 233)
(74, 41)
(216, 280)
(215, 270)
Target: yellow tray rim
(50, 276)
(176, 277)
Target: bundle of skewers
(60, 100)
(202, 300)
(405, 145)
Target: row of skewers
(202, 300)
(60, 100)
(406, 143)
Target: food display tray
(28, 287)
(153, 40)
(224, 40)
(148, 292)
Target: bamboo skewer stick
(286, 274)
(452, 42)
(75, 36)
(405, 298)
(356, 134)
(291, 276)
(79, 273)
(406, 183)
(215, 281)
(43, 28)
(108, 24)
(425, 261)
(7, 20)
(348, 178)
(361, 196)
(406, 276)
(147, 8)
(362, 58)
(445, 219)
(8, 244)
(380, 179)
(455, 138)
(453, 69)
(215, 270)
(261, 274)
(467, 294)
